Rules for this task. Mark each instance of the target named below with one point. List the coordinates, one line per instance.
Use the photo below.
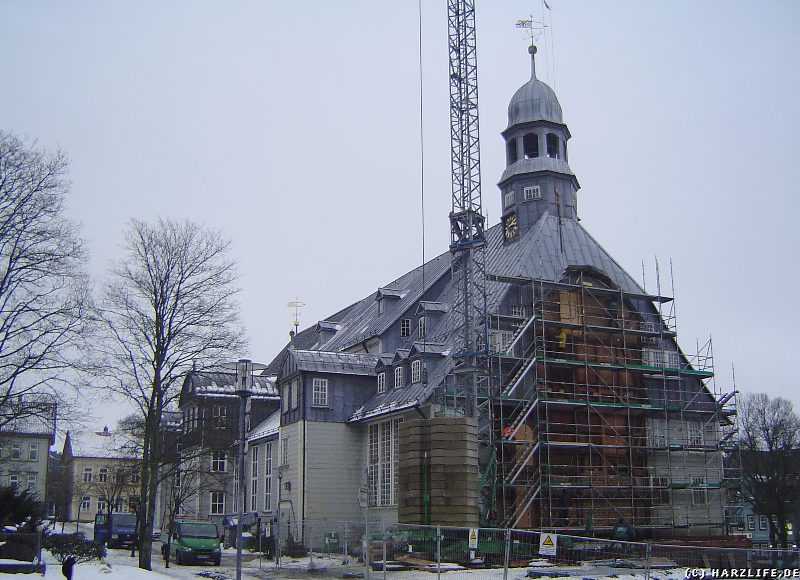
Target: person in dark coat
(67, 566)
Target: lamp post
(281, 469)
(244, 390)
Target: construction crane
(467, 389)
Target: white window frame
(519, 310)
(416, 371)
(33, 452)
(382, 382)
(319, 393)
(268, 476)
(254, 479)
(87, 475)
(13, 480)
(751, 522)
(102, 505)
(219, 461)
(422, 327)
(177, 478)
(382, 462)
(762, 522)
(295, 396)
(102, 475)
(399, 378)
(658, 433)
(285, 450)
(285, 397)
(699, 495)
(16, 451)
(86, 503)
(381, 307)
(216, 503)
(532, 193)
(694, 433)
(405, 327)
(508, 198)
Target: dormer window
(530, 145)
(381, 382)
(511, 151)
(398, 377)
(422, 327)
(508, 198)
(416, 371)
(552, 146)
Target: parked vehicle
(116, 529)
(193, 540)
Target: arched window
(511, 151)
(398, 377)
(530, 145)
(552, 146)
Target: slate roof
(335, 362)
(223, 385)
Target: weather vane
(297, 305)
(533, 28)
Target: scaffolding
(600, 417)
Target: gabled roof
(401, 354)
(334, 362)
(439, 348)
(37, 418)
(428, 307)
(388, 293)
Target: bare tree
(44, 296)
(171, 302)
(769, 440)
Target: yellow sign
(473, 538)
(548, 544)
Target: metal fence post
(345, 559)
(648, 558)
(507, 554)
(438, 552)
(366, 547)
(384, 551)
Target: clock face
(510, 226)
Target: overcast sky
(294, 127)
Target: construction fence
(379, 550)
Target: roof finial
(533, 30)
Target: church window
(508, 198)
(383, 455)
(398, 377)
(381, 382)
(416, 371)
(530, 145)
(552, 146)
(405, 327)
(511, 151)
(532, 192)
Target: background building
(25, 446)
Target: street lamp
(244, 390)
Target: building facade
(25, 444)
(102, 472)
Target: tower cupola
(537, 178)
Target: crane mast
(467, 385)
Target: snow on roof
(266, 428)
(104, 444)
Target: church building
(594, 412)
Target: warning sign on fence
(473, 538)
(548, 544)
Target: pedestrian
(67, 566)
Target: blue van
(117, 529)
